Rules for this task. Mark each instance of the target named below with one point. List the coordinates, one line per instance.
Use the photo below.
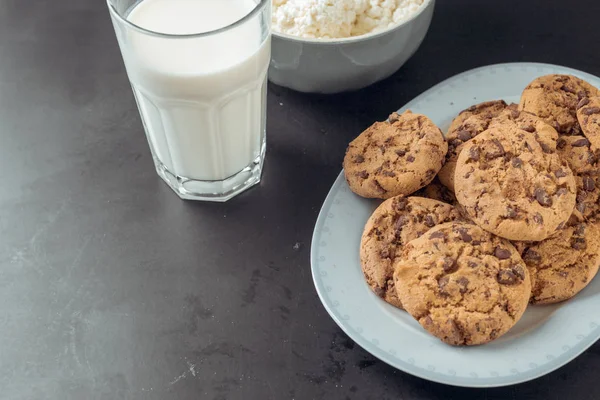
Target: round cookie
(546, 135)
(562, 265)
(554, 99)
(577, 152)
(588, 116)
(397, 157)
(394, 223)
(510, 187)
(468, 124)
(463, 284)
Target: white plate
(546, 338)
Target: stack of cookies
(501, 212)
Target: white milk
(202, 99)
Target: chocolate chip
(517, 162)
(359, 159)
(462, 282)
(590, 110)
(464, 235)
(528, 128)
(400, 204)
(561, 143)
(538, 219)
(511, 212)
(507, 277)
(561, 173)
(580, 230)
(384, 253)
(580, 207)
(545, 148)
(474, 154)
(410, 158)
(531, 256)
(379, 291)
(400, 222)
(519, 271)
(362, 174)
(401, 153)
(542, 197)
(515, 113)
(578, 243)
(463, 135)
(449, 265)
(393, 118)
(429, 221)
(391, 174)
(568, 89)
(580, 143)
(501, 254)
(499, 152)
(442, 283)
(437, 235)
(584, 102)
(382, 149)
(589, 184)
(472, 264)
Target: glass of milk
(198, 69)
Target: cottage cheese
(329, 19)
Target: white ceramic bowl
(339, 65)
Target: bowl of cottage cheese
(332, 46)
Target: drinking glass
(201, 94)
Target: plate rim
(522, 376)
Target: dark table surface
(111, 287)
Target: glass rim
(260, 5)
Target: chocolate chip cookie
(396, 157)
(509, 186)
(588, 116)
(554, 98)
(468, 124)
(394, 223)
(576, 150)
(562, 265)
(463, 284)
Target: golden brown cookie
(394, 223)
(577, 152)
(396, 157)
(588, 116)
(562, 265)
(554, 99)
(468, 124)
(463, 284)
(510, 187)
